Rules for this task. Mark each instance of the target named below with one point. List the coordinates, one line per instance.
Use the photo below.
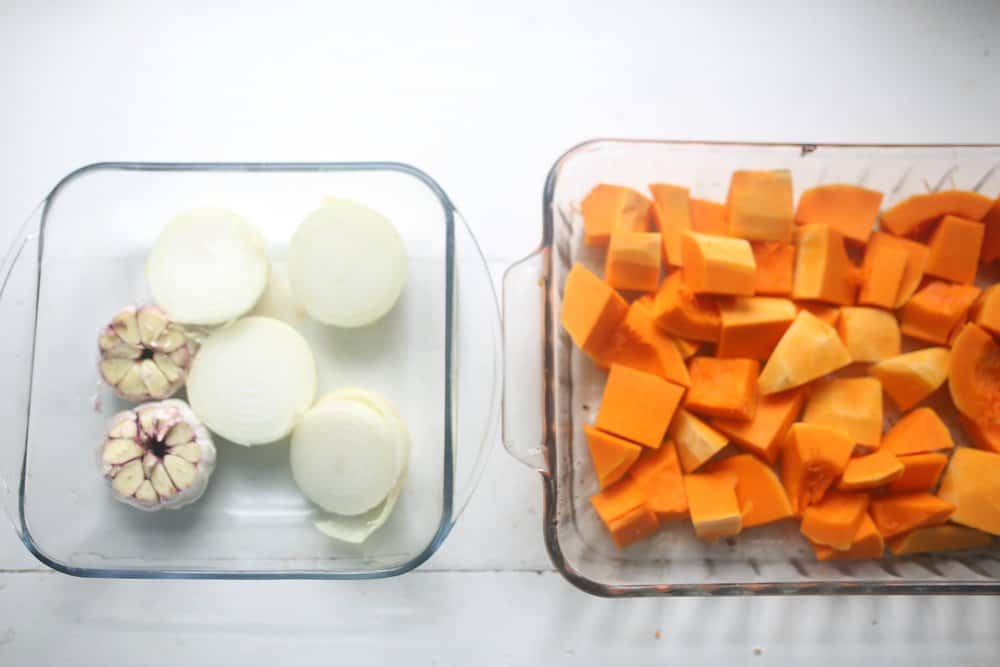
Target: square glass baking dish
(80, 257)
(551, 390)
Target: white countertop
(484, 98)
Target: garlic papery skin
(157, 456)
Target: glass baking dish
(435, 357)
(546, 434)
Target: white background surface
(483, 96)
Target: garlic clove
(152, 322)
(154, 379)
(161, 481)
(167, 366)
(181, 472)
(131, 384)
(170, 340)
(124, 429)
(121, 450)
(188, 451)
(149, 462)
(113, 370)
(146, 493)
(126, 326)
(128, 479)
(179, 434)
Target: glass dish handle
(523, 420)
(18, 285)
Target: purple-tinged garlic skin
(157, 456)
(144, 355)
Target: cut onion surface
(253, 380)
(209, 266)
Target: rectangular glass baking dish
(540, 361)
(80, 257)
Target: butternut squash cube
(986, 310)
(866, 545)
(895, 515)
(708, 217)
(983, 434)
(633, 261)
(918, 432)
(622, 509)
(823, 311)
(764, 434)
(972, 484)
(933, 312)
(921, 472)
(991, 237)
(657, 475)
(612, 456)
(913, 272)
(724, 388)
(637, 406)
(936, 539)
(809, 349)
(913, 214)
(850, 405)
(870, 471)
(610, 208)
(752, 326)
(715, 509)
(775, 267)
(760, 205)
(954, 250)
(910, 378)
(849, 209)
(697, 442)
(823, 271)
(870, 334)
(683, 314)
(717, 264)
(812, 457)
(639, 343)
(591, 310)
(672, 216)
(761, 496)
(834, 521)
(882, 275)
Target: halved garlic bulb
(144, 355)
(157, 456)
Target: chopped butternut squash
(921, 472)
(717, 264)
(591, 311)
(686, 348)
(637, 406)
(812, 457)
(849, 209)
(672, 216)
(870, 334)
(724, 388)
(932, 313)
(761, 496)
(764, 434)
(984, 435)
(822, 311)
(823, 271)
(658, 476)
(683, 314)
(851, 405)
(611, 208)
(898, 514)
(954, 250)
(882, 274)
(870, 471)
(633, 261)
(714, 507)
(708, 217)
(623, 510)
(938, 539)
(834, 521)
(972, 484)
(752, 326)
(974, 375)
(918, 432)
(912, 377)
(760, 205)
(991, 237)
(809, 349)
(697, 442)
(986, 310)
(913, 272)
(867, 544)
(612, 456)
(640, 344)
(913, 214)
(775, 267)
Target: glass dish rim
(549, 476)
(447, 510)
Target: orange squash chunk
(717, 264)
(912, 377)
(913, 272)
(972, 484)
(921, 472)
(954, 250)
(834, 521)
(752, 326)
(708, 217)
(866, 545)
(612, 456)
(681, 313)
(849, 209)
(775, 267)
(633, 261)
(812, 457)
(991, 238)
(640, 344)
(898, 514)
(913, 214)
(936, 539)
(697, 442)
(870, 334)
(761, 496)
(658, 476)
(611, 208)
(822, 311)
(760, 205)
(933, 312)
(764, 434)
(591, 310)
(986, 310)
(809, 349)
(918, 432)
(850, 405)
(823, 271)
(637, 406)
(870, 471)
(882, 275)
(714, 507)
(672, 216)
(974, 376)
(623, 510)
(983, 435)
(724, 388)
(686, 348)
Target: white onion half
(209, 266)
(252, 381)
